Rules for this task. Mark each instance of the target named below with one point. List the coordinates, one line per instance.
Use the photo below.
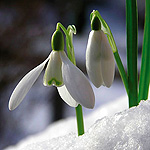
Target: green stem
(107, 31)
(69, 44)
(121, 71)
(70, 51)
(145, 64)
(132, 50)
(80, 123)
(79, 114)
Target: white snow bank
(127, 130)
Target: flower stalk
(121, 71)
(70, 51)
(80, 122)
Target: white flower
(73, 87)
(100, 63)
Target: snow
(111, 126)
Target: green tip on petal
(53, 81)
(95, 23)
(53, 73)
(57, 41)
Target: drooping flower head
(100, 63)
(73, 87)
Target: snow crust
(125, 130)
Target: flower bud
(57, 41)
(95, 23)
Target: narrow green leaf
(132, 50)
(145, 64)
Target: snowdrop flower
(100, 63)
(73, 87)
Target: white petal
(24, 85)
(76, 83)
(65, 95)
(93, 58)
(53, 73)
(107, 61)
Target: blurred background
(26, 28)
